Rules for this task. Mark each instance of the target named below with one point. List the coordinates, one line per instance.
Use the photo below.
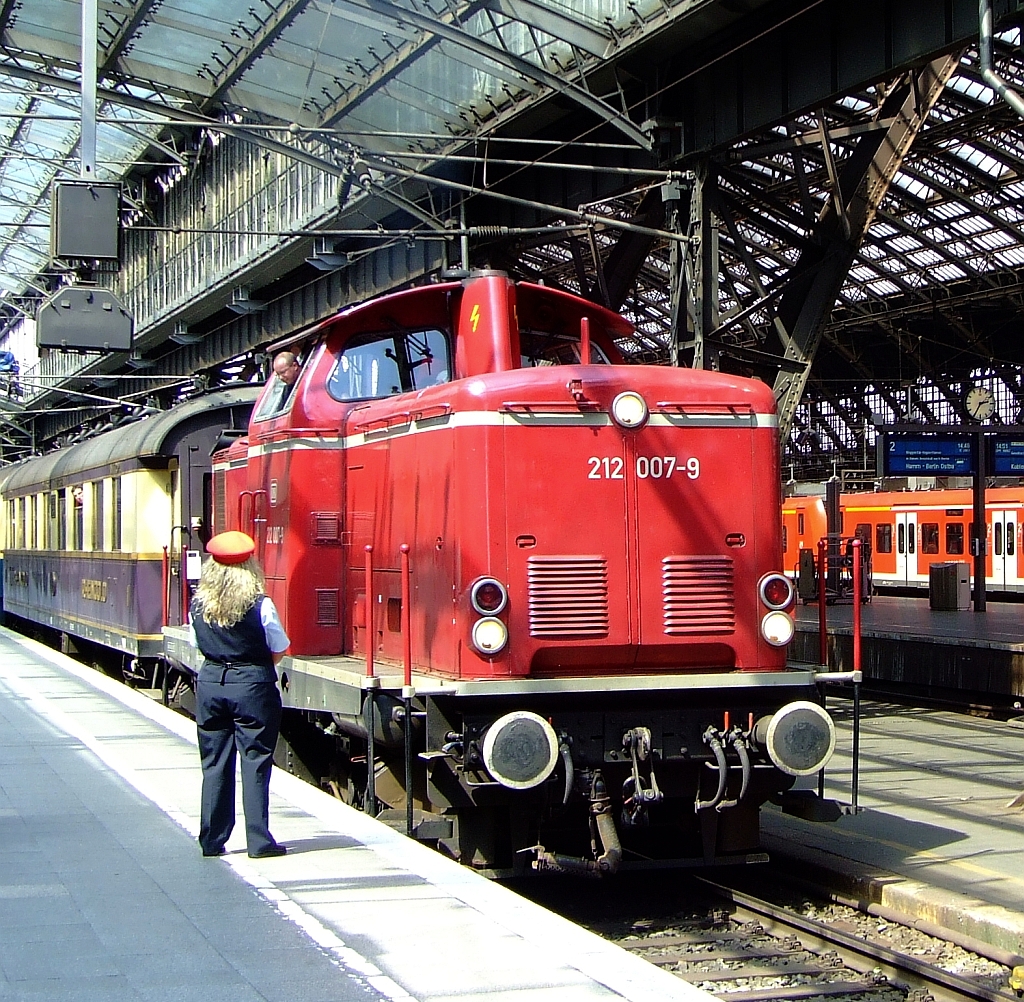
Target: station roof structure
(419, 99)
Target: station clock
(980, 403)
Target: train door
(906, 547)
(1004, 551)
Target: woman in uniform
(238, 705)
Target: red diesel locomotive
(597, 617)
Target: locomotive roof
(429, 305)
(147, 438)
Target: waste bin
(949, 586)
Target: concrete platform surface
(105, 895)
(895, 617)
(937, 840)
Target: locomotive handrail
(386, 422)
(528, 406)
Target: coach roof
(150, 438)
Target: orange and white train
(911, 530)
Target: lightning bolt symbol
(474, 317)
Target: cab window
(538, 348)
(382, 365)
(276, 399)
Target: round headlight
(629, 409)
(776, 591)
(489, 635)
(777, 628)
(520, 750)
(488, 596)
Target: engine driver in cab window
(286, 374)
(372, 366)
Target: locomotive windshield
(382, 365)
(542, 348)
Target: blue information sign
(1007, 455)
(929, 455)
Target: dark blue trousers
(236, 709)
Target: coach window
(800, 523)
(538, 348)
(954, 537)
(901, 538)
(785, 540)
(78, 521)
(382, 365)
(12, 522)
(97, 515)
(115, 519)
(997, 543)
(1011, 538)
(929, 537)
(33, 509)
(883, 538)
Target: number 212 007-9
(653, 467)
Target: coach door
(906, 547)
(1004, 550)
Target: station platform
(937, 840)
(105, 894)
(968, 656)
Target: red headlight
(488, 596)
(776, 591)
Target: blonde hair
(227, 592)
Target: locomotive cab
(597, 617)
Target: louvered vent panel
(568, 596)
(697, 595)
(327, 606)
(220, 502)
(326, 526)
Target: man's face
(287, 370)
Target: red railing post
(822, 578)
(584, 340)
(857, 585)
(406, 615)
(370, 639)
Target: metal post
(407, 690)
(88, 142)
(822, 635)
(857, 547)
(584, 340)
(980, 537)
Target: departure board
(929, 455)
(1007, 455)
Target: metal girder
(247, 54)
(464, 39)
(864, 181)
(113, 50)
(553, 22)
(700, 266)
(627, 257)
(6, 10)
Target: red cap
(231, 547)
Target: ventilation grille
(327, 606)
(568, 596)
(697, 595)
(220, 502)
(326, 527)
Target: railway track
(750, 950)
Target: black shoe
(270, 850)
(214, 852)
